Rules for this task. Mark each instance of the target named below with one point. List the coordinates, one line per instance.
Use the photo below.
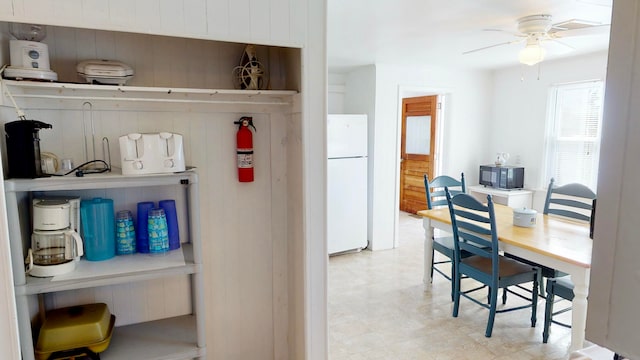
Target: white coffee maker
(55, 246)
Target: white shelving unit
(181, 337)
(59, 95)
(516, 198)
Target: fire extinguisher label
(245, 158)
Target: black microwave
(502, 177)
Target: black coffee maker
(23, 148)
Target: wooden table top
(562, 239)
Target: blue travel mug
(158, 234)
(142, 235)
(169, 207)
(125, 233)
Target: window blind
(573, 138)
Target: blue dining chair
(474, 231)
(435, 198)
(573, 201)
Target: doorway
(417, 150)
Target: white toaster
(151, 153)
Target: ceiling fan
(533, 30)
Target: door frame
(444, 95)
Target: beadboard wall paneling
(251, 233)
(158, 61)
(296, 249)
(9, 328)
(161, 61)
(279, 252)
(6, 9)
(245, 250)
(240, 17)
(280, 18)
(268, 22)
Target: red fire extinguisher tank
(244, 149)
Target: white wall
(375, 90)
(464, 128)
(519, 111)
(359, 98)
(336, 93)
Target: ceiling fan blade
(585, 31)
(492, 46)
(562, 43)
(514, 33)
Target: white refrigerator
(346, 183)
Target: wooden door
(417, 150)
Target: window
(574, 124)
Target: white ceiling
(437, 32)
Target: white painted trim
(314, 111)
(8, 310)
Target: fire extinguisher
(244, 145)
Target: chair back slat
(435, 189)
(574, 201)
(571, 203)
(474, 227)
(476, 246)
(569, 214)
(575, 189)
(473, 216)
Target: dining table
(555, 242)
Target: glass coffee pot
(55, 246)
(53, 252)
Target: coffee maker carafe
(55, 246)
(23, 148)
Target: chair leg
(534, 302)
(492, 311)
(456, 293)
(548, 311)
(453, 272)
(504, 296)
(432, 262)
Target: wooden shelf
(115, 271)
(107, 180)
(56, 95)
(172, 338)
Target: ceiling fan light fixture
(531, 54)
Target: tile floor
(378, 309)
